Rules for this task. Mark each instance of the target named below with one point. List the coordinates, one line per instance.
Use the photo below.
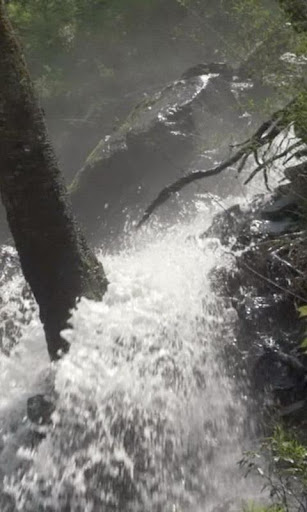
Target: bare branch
(265, 134)
(170, 190)
(266, 179)
(242, 163)
(270, 161)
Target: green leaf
(302, 311)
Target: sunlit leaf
(302, 311)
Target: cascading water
(148, 417)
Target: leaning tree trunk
(54, 256)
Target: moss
(55, 259)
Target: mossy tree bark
(54, 256)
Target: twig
(259, 139)
(270, 161)
(301, 153)
(288, 264)
(242, 163)
(168, 191)
(264, 278)
(265, 134)
(266, 179)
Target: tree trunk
(54, 256)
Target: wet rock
(219, 68)
(226, 225)
(40, 409)
(257, 287)
(281, 208)
(267, 228)
(297, 176)
(279, 370)
(283, 190)
(267, 275)
(155, 145)
(238, 229)
(259, 313)
(294, 409)
(285, 377)
(297, 173)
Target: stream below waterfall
(148, 415)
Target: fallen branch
(168, 191)
(265, 134)
(271, 160)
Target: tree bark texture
(54, 256)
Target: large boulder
(155, 146)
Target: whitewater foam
(147, 415)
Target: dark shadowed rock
(261, 286)
(279, 371)
(155, 146)
(261, 221)
(40, 409)
(285, 206)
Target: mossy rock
(156, 145)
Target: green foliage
(290, 455)
(260, 20)
(282, 463)
(302, 311)
(69, 39)
(77, 37)
(260, 34)
(78, 50)
(298, 114)
(49, 26)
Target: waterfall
(148, 415)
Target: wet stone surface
(40, 409)
(266, 356)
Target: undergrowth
(281, 461)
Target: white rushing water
(148, 417)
